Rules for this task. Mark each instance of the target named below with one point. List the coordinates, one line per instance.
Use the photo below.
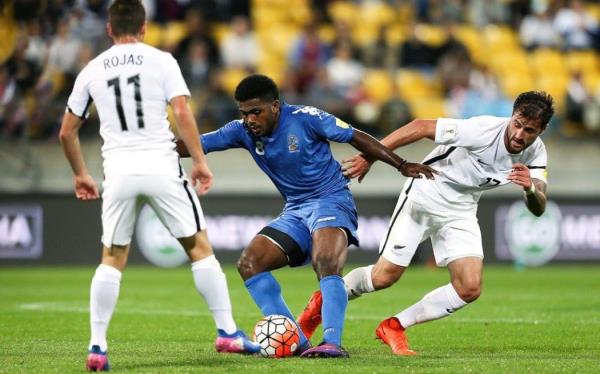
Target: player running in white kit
(131, 84)
(472, 156)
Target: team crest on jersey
(292, 143)
(259, 148)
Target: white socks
(211, 283)
(438, 303)
(104, 293)
(359, 281)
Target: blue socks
(333, 311)
(266, 293)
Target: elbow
(65, 135)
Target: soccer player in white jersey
(132, 84)
(472, 156)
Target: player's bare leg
(211, 284)
(328, 258)
(465, 287)
(104, 292)
(255, 266)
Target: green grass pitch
(534, 320)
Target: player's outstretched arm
(410, 133)
(85, 186)
(374, 150)
(535, 189)
(188, 130)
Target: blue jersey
(296, 156)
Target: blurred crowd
(374, 63)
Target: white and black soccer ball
(277, 335)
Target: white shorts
(172, 198)
(452, 236)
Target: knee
(468, 291)
(326, 264)
(247, 266)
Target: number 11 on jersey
(137, 95)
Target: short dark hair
(126, 17)
(256, 86)
(535, 105)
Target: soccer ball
(277, 335)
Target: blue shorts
(292, 230)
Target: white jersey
(471, 158)
(131, 85)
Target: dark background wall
(71, 229)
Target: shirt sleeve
(328, 126)
(228, 136)
(80, 98)
(174, 83)
(474, 132)
(537, 164)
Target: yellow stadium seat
(154, 34)
(231, 78)
(430, 34)
(500, 38)
(376, 13)
(278, 40)
(363, 34)
(344, 11)
(514, 84)
(593, 10)
(470, 37)
(555, 85)
(396, 34)
(378, 85)
(413, 84)
(326, 33)
(585, 61)
(10, 32)
(428, 107)
(509, 62)
(301, 15)
(548, 61)
(220, 31)
(592, 82)
(174, 32)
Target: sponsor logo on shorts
(323, 219)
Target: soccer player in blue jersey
(290, 143)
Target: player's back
(131, 85)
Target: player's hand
(85, 187)
(520, 176)
(201, 177)
(414, 170)
(356, 166)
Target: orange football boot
(310, 318)
(391, 332)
